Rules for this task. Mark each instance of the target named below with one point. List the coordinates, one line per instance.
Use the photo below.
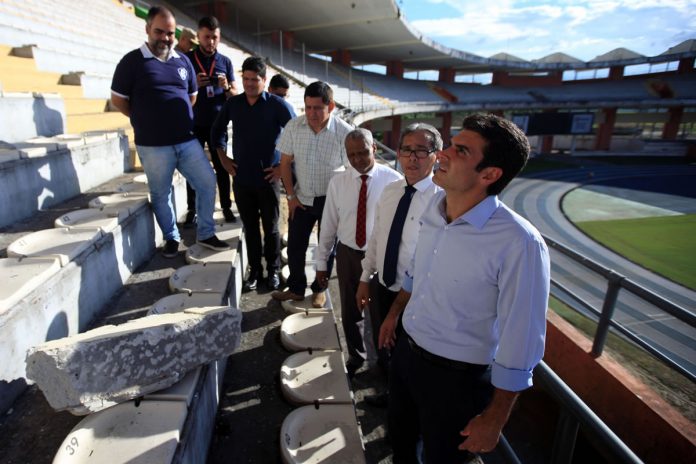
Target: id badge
(209, 90)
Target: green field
(665, 245)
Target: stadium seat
(303, 331)
(131, 201)
(315, 376)
(105, 219)
(19, 276)
(64, 244)
(201, 278)
(180, 301)
(328, 433)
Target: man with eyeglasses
(348, 216)
(474, 304)
(417, 148)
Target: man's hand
(483, 431)
(202, 80)
(322, 279)
(293, 205)
(387, 331)
(222, 81)
(362, 296)
(229, 165)
(272, 173)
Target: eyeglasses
(420, 153)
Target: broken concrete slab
(112, 364)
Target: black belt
(444, 362)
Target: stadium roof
(375, 32)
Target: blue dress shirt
(479, 290)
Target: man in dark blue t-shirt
(257, 121)
(156, 87)
(215, 79)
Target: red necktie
(360, 222)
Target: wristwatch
(290, 197)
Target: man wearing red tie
(349, 216)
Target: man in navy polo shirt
(156, 87)
(215, 79)
(257, 121)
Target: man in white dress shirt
(417, 149)
(348, 216)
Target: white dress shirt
(341, 208)
(317, 156)
(384, 216)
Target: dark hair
(319, 89)
(279, 82)
(255, 64)
(209, 22)
(506, 147)
(156, 11)
(433, 134)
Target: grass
(664, 244)
(673, 387)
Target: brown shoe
(318, 299)
(286, 295)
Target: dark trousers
(202, 133)
(348, 269)
(299, 229)
(381, 299)
(254, 204)
(432, 400)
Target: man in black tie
(395, 232)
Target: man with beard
(156, 88)
(215, 79)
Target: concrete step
(78, 123)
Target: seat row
(174, 424)
(324, 427)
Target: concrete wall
(26, 115)
(653, 429)
(34, 183)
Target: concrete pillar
(288, 38)
(606, 127)
(686, 65)
(446, 129)
(391, 137)
(446, 75)
(670, 131)
(546, 144)
(395, 68)
(112, 364)
(341, 56)
(616, 73)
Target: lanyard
(212, 66)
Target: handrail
(581, 415)
(615, 282)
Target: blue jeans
(159, 164)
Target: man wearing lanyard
(155, 87)
(215, 79)
(475, 299)
(348, 216)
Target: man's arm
(387, 331)
(483, 431)
(193, 97)
(286, 177)
(122, 104)
(329, 227)
(369, 262)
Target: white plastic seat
(19, 276)
(105, 219)
(146, 434)
(64, 244)
(181, 301)
(227, 232)
(183, 390)
(305, 306)
(316, 331)
(319, 376)
(310, 272)
(201, 278)
(131, 201)
(141, 178)
(327, 434)
(134, 187)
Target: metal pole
(614, 281)
(350, 83)
(564, 440)
(280, 41)
(304, 70)
(258, 36)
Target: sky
(533, 29)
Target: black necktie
(391, 255)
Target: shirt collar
(356, 175)
(329, 125)
(423, 184)
(145, 50)
(482, 212)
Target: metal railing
(616, 282)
